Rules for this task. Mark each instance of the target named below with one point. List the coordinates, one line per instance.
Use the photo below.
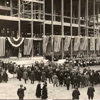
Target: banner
(49, 47)
(45, 43)
(76, 43)
(98, 44)
(2, 46)
(84, 43)
(92, 43)
(67, 43)
(28, 46)
(15, 42)
(57, 43)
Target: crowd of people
(57, 74)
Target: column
(52, 29)
(86, 18)
(79, 21)
(44, 18)
(43, 21)
(23, 9)
(79, 15)
(11, 6)
(32, 27)
(71, 11)
(19, 31)
(98, 8)
(62, 26)
(19, 17)
(94, 21)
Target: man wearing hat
(20, 92)
(75, 94)
(90, 92)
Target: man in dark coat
(20, 92)
(38, 90)
(90, 92)
(39, 75)
(44, 92)
(61, 78)
(68, 82)
(5, 76)
(75, 94)
(19, 74)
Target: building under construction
(38, 19)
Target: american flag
(98, 44)
(76, 43)
(57, 43)
(2, 46)
(92, 43)
(84, 43)
(67, 43)
(28, 46)
(45, 43)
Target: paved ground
(8, 90)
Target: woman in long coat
(32, 77)
(25, 76)
(44, 92)
(38, 90)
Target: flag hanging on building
(67, 43)
(98, 44)
(45, 43)
(76, 43)
(92, 43)
(28, 46)
(57, 43)
(2, 46)
(84, 43)
(15, 42)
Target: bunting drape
(15, 42)
(45, 43)
(57, 43)
(76, 43)
(92, 44)
(67, 43)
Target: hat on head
(21, 85)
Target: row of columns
(62, 21)
(71, 19)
